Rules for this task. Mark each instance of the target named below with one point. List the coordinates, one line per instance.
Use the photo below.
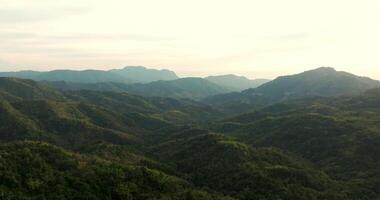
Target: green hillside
(325, 82)
(339, 135)
(242, 171)
(191, 88)
(88, 144)
(54, 173)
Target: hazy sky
(256, 38)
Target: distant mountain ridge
(236, 83)
(324, 81)
(144, 75)
(125, 75)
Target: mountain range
(132, 74)
(140, 80)
(309, 136)
(323, 82)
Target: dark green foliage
(19, 89)
(340, 135)
(32, 170)
(226, 165)
(192, 88)
(111, 145)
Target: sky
(254, 38)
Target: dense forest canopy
(309, 136)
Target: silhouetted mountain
(143, 75)
(236, 83)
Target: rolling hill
(191, 88)
(340, 135)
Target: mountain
(118, 135)
(236, 83)
(126, 75)
(192, 88)
(340, 135)
(91, 144)
(323, 81)
(242, 171)
(143, 75)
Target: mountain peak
(144, 75)
(325, 69)
(135, 67)
(323, 81)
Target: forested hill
(91, 144)
(322, 82)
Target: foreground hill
(126, 75)
(339, 135)
(236, 83)
(239, 170)
(53, 173)
(129, 130)
(319, 82)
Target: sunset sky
(255, 38)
